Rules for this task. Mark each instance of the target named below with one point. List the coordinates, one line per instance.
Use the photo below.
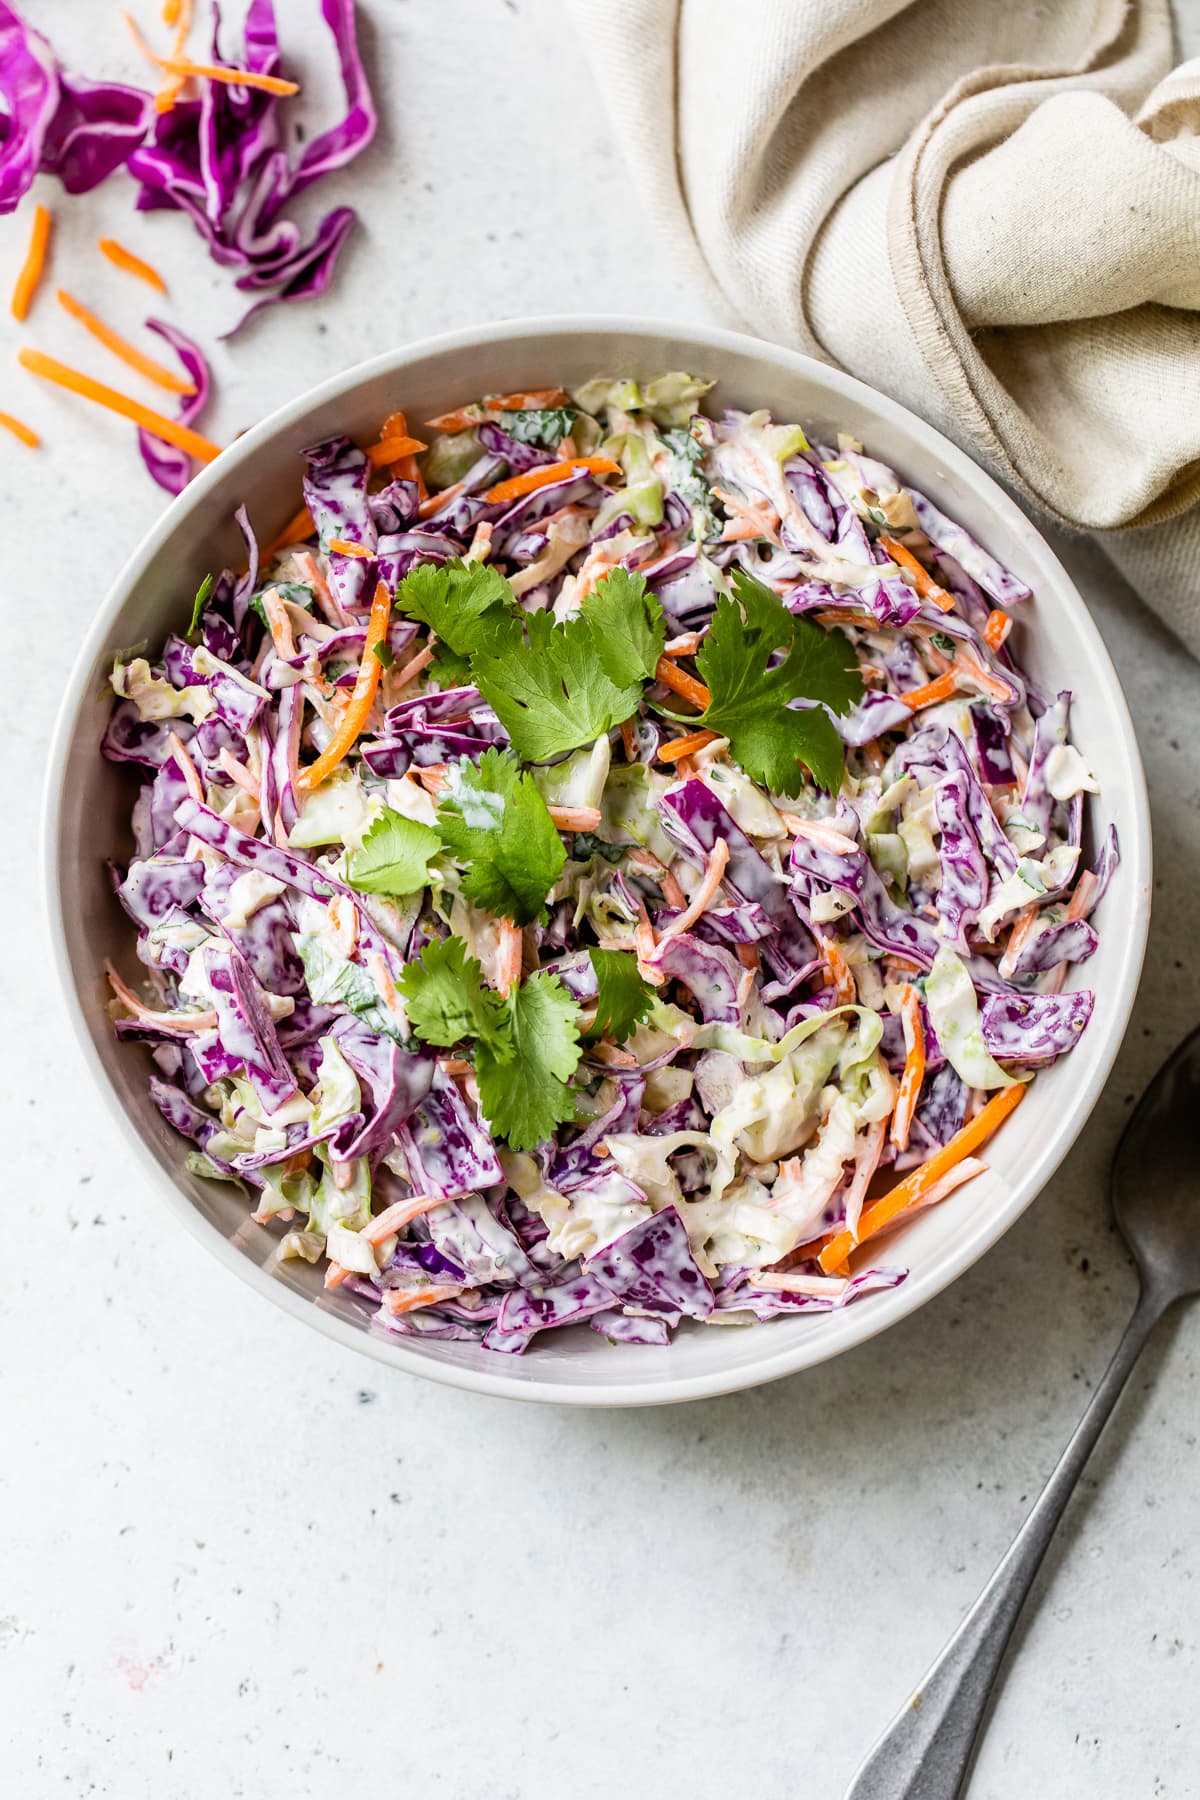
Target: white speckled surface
(242, 1561)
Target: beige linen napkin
(988, 208)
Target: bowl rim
(889, 1308)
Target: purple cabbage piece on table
(29, 93)
(96, 127)
(170, 466)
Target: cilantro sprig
(466, 605)
(494, 820)
(556, 687)
(525, 1044)
(395, 856)
(756, 658)
(624, 997)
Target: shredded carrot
(181, 66)
(714, 873)
(914, 1067)
(170, 12)
(335, 1275)
(545, 473)
(298, 529)
(818, 833)
(280, 624)
(865, 1166)
(575, 818)
(685, 645)
(629, 740)
(137, 359)
(839, 969)
(398, 1301)
(398, 1215)
(345, 547)
(238, 773)
(480, 546)
(26, 433)
(1083, 899)
(434, 502)
(944, 688)
(35, 262)
(685, 746)
(131, 264)
(361, 700)
(412, 669)
(680, 682)
(306, 562)
(534, 400)
(461, 418)
(508, 956)
(998, 626)
(970, 666)
(432, 777)
(392, 449)
(170, 430)
(187, 768)
(915, 1187)
(614, 1057)
(167, 1021)
(918, 575)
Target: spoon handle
(925, 1751)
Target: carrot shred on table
(76, 382)
(361, 700)
(19, 429)
(914, 1067)
(944, 688)
(345, 547)
(545, 473)
(997, 628)
(112, 340)
(916, 1186)
(35, 262)
(680, 682)
(918, 575)
(131, 264)
(685, 746)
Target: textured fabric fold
(992, 213)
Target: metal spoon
(925, 1751)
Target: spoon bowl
(1155, 1183)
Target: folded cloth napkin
(990, 210)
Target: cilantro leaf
(586, 844)
(624, 997)
(395, 855)
(629, 625)
(332, 981)
(751, 688)
(464, 604)
(523, 1087)
(493, 819)
(446, 999)
(543, 426)
(294, 592)
(383, 653)
(198, 605)
(550, 689)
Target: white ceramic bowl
(88, 803)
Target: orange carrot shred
(918, 575)
(545, 473)
(361, 700)
(20, 430)
(170, 430)
(998, 626)
(35, 262)
(685, 746)
(137, 359)
(297, 531)
(915, 1186)
(267, 84)
(345, 547)
(944, 688)
(914, 1067)
(131, 264)
(392, 449)
(680, 682)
